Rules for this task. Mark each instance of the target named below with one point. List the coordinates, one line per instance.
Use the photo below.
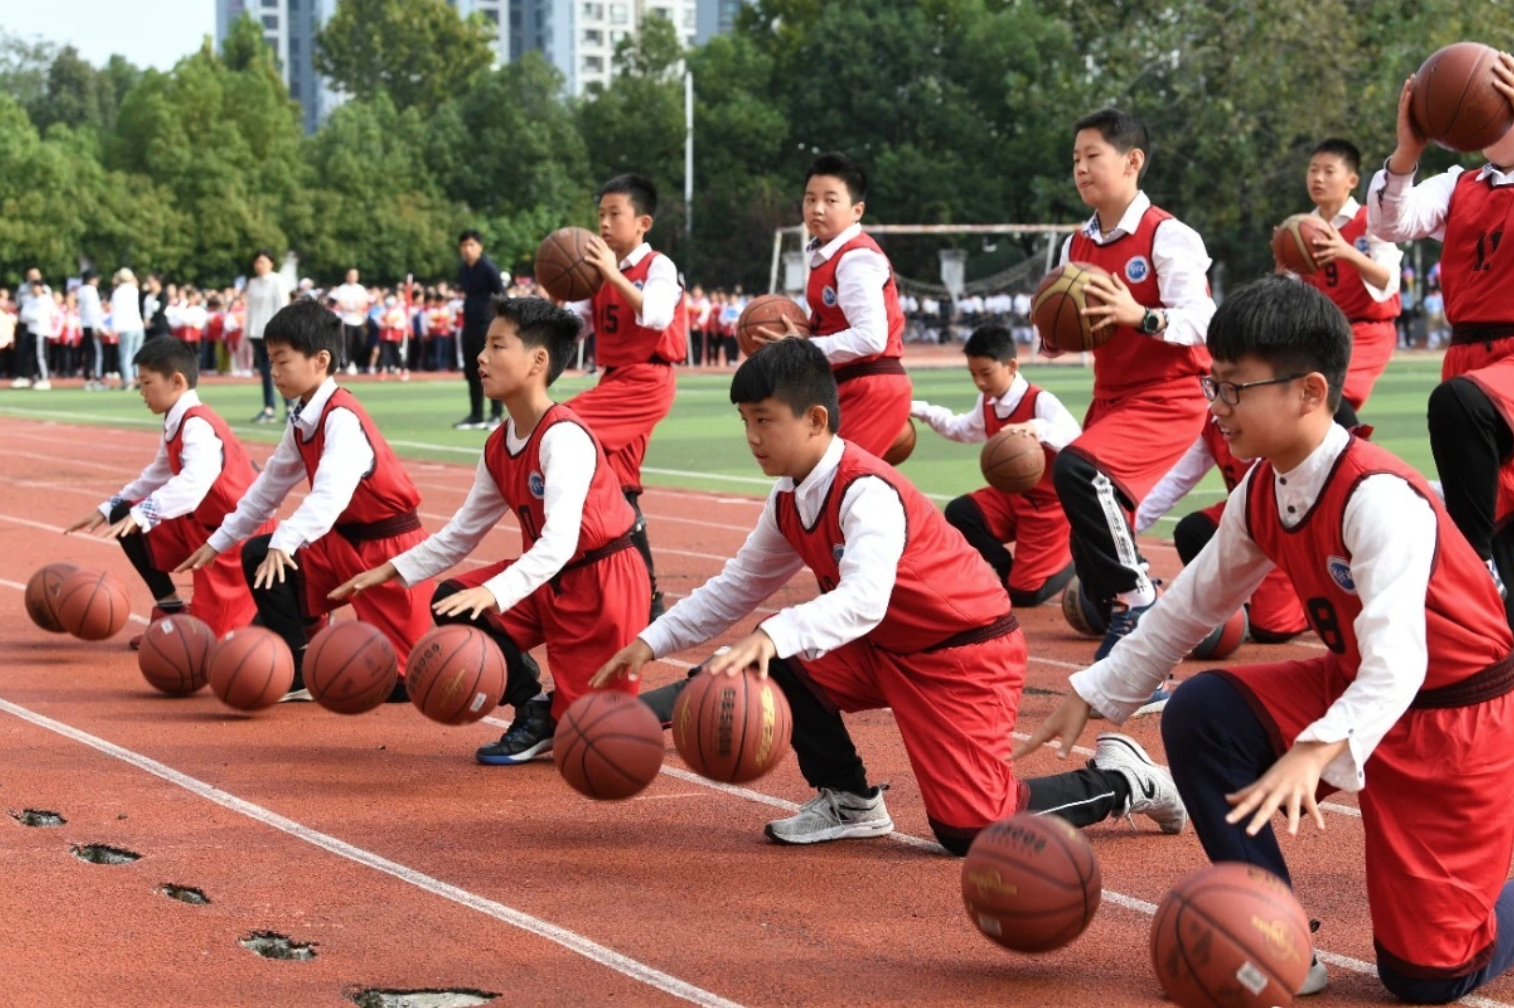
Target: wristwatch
(1151, 322)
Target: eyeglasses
(1229, 393)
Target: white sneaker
(1315, 980)
(297, 696)
(352, 369)
(43, 385)
(834, 815)
(1152, 791)
(22, 383)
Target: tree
(419, 51)
(76, 94)
(23, 68)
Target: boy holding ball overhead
(577, 586)
(990, 518)
(1409, 707)
(1147, 408)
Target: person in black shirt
(479, 279)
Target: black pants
(354, 338)
(1103, 542)
(135, 546)
(522, 675)
(473, 345)
(966, 517)
(26, 353)
(265, 371)
(1471, 442)
(281, 605)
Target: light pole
(688, 152)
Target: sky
(149, 33)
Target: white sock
(1142, 595)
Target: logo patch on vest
(1137, 269)
(838, 551)
(1361, 244)
(638, 284)
(1340, 573)
(537, 485)
(828, 295)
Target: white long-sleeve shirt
(161, 495)
(1054, 426)
(1386, 254)
(1390, 534)
(860, 277)
(567, 462)
(91, 315)
(126, 308)
(265, 295)
(661, 292)
(346, 458)
(1398, 210)
(1172, 487)
(872, 526)
(1182, 266)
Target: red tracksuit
(1373, 334)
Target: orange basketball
(1293, 243)
(767, 311)
(1453, 101)
(1013, 460)
(732, 728)
(92, 605)
(251, 668)
(1223, 640)
(563, 269)
(1231, 934)
(350, 667)
(1081, 612)
(175, 654)
(609, 745)
(455, 674)
(42, 595)
(903, 446)
(1031, 883)
(1057, 306)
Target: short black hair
(991, 340)
(635, 187)
(1343, 149)
(1124, 131)
(1287, 324)
(168, 356)
(470, 233)
(793, 371)
(307, 328)
(261, 253)
(89, 275)
(834, 164)
(540, 323)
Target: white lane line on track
(569, 940)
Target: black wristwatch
(1151, 322)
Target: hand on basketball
(1411, 143)
(1330, 246)
(1064, 725)
(123, 528)
(626, 664)
(88, 523)
(603, 257)
(473, 601)
(1503, 76)
(1117, 307)
(199, 558)
(767, 334)
(272, 570)
(381, 574)
(1289, 784)
(756, 648)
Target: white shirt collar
(1007, 403)
(810, 494)
(310, 413)
(638, 253)
(175, 416)
(1500, 178)
(1300, 487)
(1129, 221)
(820, 253)
(1347, 212)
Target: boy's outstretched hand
(1291, 784)
(272, 569)
(199, 558)
(1066, 723)
(381, 574)
(123, 528)
(756, 648)
(473, 601)
(88, 523)
(626, 663)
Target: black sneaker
(529, 736)
(399, 694)
(657, 607)
(662, 699)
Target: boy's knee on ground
(963, 512)
(1417, 990)
(955, 839)
(1192, 535)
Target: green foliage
(419, 51)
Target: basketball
(562, 266)
(42, 595)
(1293, 243)
(608, 745)
(1013, 460)
(251, 668)
(732, 728)
(455, 674)
(92, 605)
(1224, 639)
(175, 654)
(1031, 883)
(903, 446)
(350, 668)
(1080, 611)
(768, 311)
(1057, 306)
(1453, 101)
(1231, 934)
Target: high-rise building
(289, 28)
(579, 36)
(717, 17)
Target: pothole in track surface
(462, 997)
(272, 945)
(37, 817)
(184, 894)
(104, 854)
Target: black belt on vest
(866, 369)
(1480, 332)
(655, 360)
(614, 546)
(356, 532)
(1001, 627)
(1369, 321)
(1479, 687)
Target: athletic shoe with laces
(493, 423)
(834, 815)
(43, 385)
(1318, 977)
(1122, 623)
(529, 736)
(1154, 704)
(1152, 790)
(470, 423)
(658, 607)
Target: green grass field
(700, 444)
